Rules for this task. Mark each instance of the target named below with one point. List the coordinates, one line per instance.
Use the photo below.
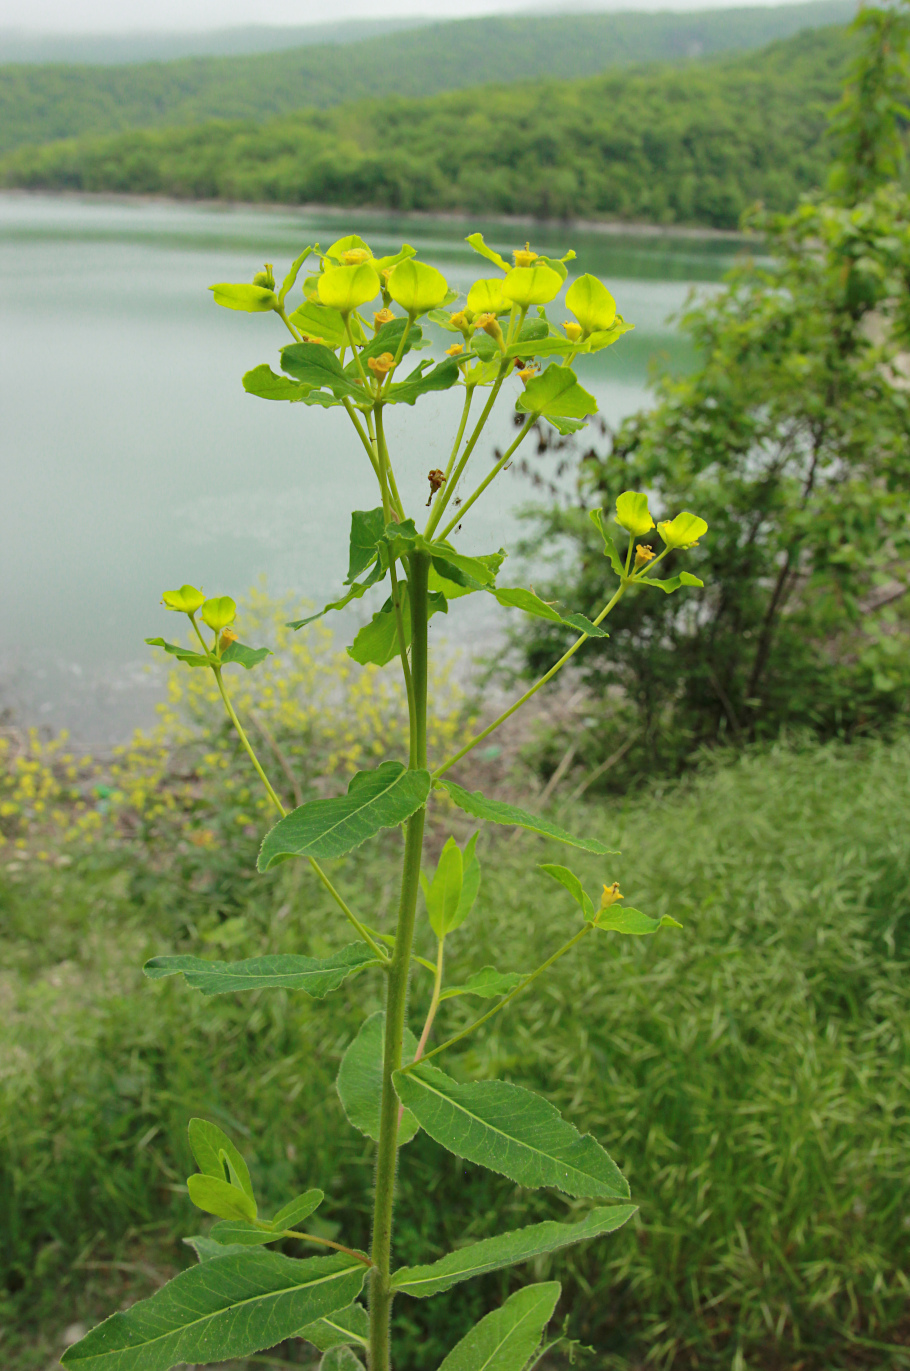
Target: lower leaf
(359, 1081)
(315, 976)
(507, 1338)
(224, 1308)
(350, 1325)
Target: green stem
(352, 414)
(449, 489)
(497, 1009)
(434, 1002)
(469, 396)
(327, 884)
(386, 461)
(402, 646)
(478, 738)
(397, 990)
(506, 457)
(290, 327)
(326, 1242)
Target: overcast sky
(123, 16)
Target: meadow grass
(749, 1073)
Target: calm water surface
(133, 461)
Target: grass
(750, 1074)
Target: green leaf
(473, 573)
(685, 578)
(356, 591)
(219, 1197)
(220, 1310)
(507, 1338)
(488, 983)
(510, 1130)
(452, 590)
(298, 1209)
(367, 527)
(556, 392)
(344, 1326)
(186, 600)
(348, 287)
(359, 1082)
(597, 518)
(420, 382)
(495, 812)
(243, 655)
(633, 514)
(683, 531)
(619, 920)
(264, 382)
(316, 976)
(184, 654)
(470, 884)
(516, 597)
(565, 877)
(207, 1248)
(591, 303)
(319, 368)
(444, 891)
(475, 240)
(291, 277)
(392, 259)
(318, 321)
(217, 1156)
(506, 1249)
(240, 1234)
(378, 799)
(378, 642)
(218, 611)
(340, 1358)
(547, 346)
(387, 340)
(417, 287)
(537, 284)
(485, 296)
(252, 299)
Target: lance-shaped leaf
(252, 299)
(470, 883)
(597, 518)
(244, 656)
(268, 385)
(420, 382)
(476, 242)
(216, 1196)
(378, 799)
(487, 983)
(350, 1325)
(507, 1249)
(516, 597)
(357, 590)
(317, 366)
(222, 1309)
(291, 277)
(556, 392)
(496, 812)
(567, 878)
(359, 1082)
(443, 892)
(207, 1248)
(184, 654)
(510, 1130)
(507, 1338)
(233, 1233)
(298, 1209)
(316, 976)
(472, 573)
(452, 590)
(685, 578)
(619, 920)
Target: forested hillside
(41, 103)
(692, 145)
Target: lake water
(133, 461)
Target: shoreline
(605, 227)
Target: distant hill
(692, 144)
(39, 104)
(115, 49)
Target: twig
(598, 771)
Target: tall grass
(749, 1073)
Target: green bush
(750, 1074)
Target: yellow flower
(573, 331)
(354, 256)
(380, 366)
(455, 350)
(643, 554)
(227, 637)
(382, 316)
(524, 256)
(611, 895)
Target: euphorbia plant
(345, 354)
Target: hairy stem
(397, 989)
(523, 699)
(327, 1242)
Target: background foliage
(695, 144)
